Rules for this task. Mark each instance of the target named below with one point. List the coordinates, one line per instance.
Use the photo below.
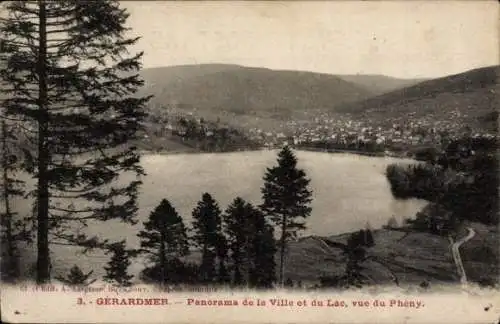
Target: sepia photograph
(241, 161)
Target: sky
(408, 39)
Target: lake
(349, 190)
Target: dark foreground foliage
(463, 180)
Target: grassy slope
(480, 255)
(412, 257)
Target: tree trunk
(163, 260)
(282, 252)
(12, 264)
(204, 264)
(43, 263)
(247, 263)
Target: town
(318, 130)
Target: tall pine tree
(117, 268)
(165, 240)
(207, 227)
(71, 84)
(356, 254)
(286, 199)
(263, 247)
(235, 219)
(251, 245)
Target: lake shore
(402, 155)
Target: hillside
(379, 84)
(182, 73)
(215, 88)
(410, 257)
(471, 95)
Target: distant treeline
(354, 146)
(358, 152)
(463, 179)
(200, 134)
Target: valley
(263, 110)
(267, 108)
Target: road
(456, 255)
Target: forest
(462, 179)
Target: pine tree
(116, 271)
(165, 241)
(207, 227)
(263, 250)
(353, 271)
(235, 219)
(251, 243)
(355, 253)
(392, 222)
(370, 242)
(71, 86)
(11, 188)
(286, 198)
(223, 276)
(77, 277)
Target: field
(411, 257)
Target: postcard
(249, 161)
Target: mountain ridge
(456, 84)
(244, 90)
(373, 84)
(240, 90)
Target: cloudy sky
(398, 38)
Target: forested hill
(211, 89)
(472, 95)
